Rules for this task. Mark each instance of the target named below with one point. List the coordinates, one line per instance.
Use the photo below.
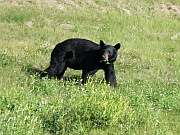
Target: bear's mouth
(105, 61)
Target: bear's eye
(109, 52)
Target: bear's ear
(102, 43)
(117, 46)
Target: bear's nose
(105, 56)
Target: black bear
(85, 55)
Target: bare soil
(169, 9)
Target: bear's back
(77, 44)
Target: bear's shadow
(35, 71)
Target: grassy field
(146, 100)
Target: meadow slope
(146, 99)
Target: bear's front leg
(86, 73)
(110, 74)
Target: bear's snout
(105, 57)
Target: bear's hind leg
(56, 70)
(50, 71)
(60, 74)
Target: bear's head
(108, 53)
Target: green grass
(146, 99)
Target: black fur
(85, 55)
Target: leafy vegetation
(146, 99)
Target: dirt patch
(169, 9)
(91, 3)
(70, 3)
(175, 37)
(61, 6)
(67, 26)
(126, 11)
(29, 24)
(49, 3)
(14, 2)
